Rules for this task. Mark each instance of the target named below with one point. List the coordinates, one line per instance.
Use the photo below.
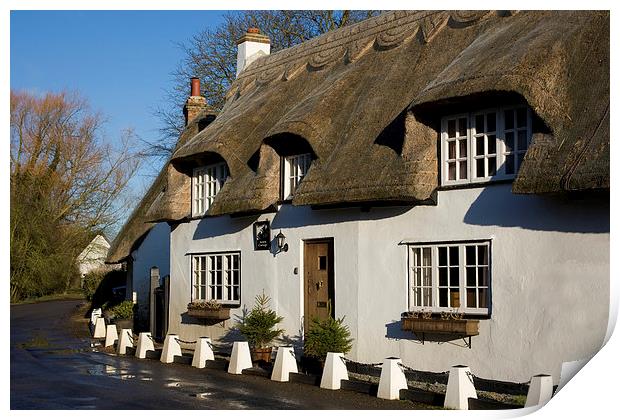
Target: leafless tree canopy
(211, 55)
(67, 184)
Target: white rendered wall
(550, 276)
(154, 251)
(249, 51)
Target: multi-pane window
(445, 277)
(422, 279)
(484, 135)
(517, 128)
(295, 168)
(457, 144)
(217, 277)
(206, 183)
(484, 145)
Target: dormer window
(206, 183)
(295, 168)
(484, 145)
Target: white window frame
(462, 270)
(206, 183)
(501, 151)
(204, 277)
(295, 168)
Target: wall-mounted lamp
(280, 238)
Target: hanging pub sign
(262, 236)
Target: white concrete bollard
(460, 388)
(540, 391)
(96, 313)
(335, 370)
(202, 352)
(239, 358)
(392, 379)
(125, 340)
(284, 365)
(99, 331)
(171, 348)
(111, 335)
(145, 343)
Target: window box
(465, 327)
(220, 314)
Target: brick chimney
(195, 103)
(251, 46)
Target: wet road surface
(54, 367)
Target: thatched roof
(365, 100)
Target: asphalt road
(54, 367)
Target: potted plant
(323, 336)
(121, 315)
(208, 309)
(259, 328)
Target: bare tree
(211, 56)
(67, 183)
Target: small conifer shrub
(327, 335)
(259, 326)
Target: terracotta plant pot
(261, 355)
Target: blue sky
(119, 60)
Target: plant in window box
(448, 322)
(259, 328)
(208, 309)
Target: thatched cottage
(414, 163)
(94, 255)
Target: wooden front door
(318, 280)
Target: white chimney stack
(251, 46)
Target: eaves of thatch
(367, 100)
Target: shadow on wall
(296, 341)
(576, 213)
(222, 344)
(210, 227)
(393, 331)
(225, 342)
(204, 322)
(290, 216)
